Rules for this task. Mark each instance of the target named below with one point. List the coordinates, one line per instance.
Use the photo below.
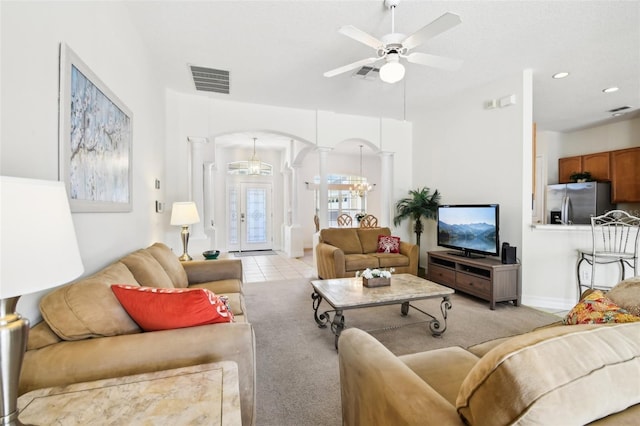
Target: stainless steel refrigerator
(575, 203)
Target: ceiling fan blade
(434, 61)
(440, 25)
(350, 67)
(361, 36)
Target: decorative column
(196, 182)
(323, 196)
(386, 189)
(294, 246)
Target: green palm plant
(420, 203)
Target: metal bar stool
(614, 240)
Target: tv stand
(466, 254)
(486, 278)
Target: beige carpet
(298, 383)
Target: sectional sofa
(87, 335)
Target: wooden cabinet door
(568, 166)
(625, 175)
(598, 165)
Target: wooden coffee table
(349, 293)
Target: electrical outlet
(585, 275)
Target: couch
(562, 375)
(341, 252)
(87, 335)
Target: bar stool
(614, 240)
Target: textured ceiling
(277, 51)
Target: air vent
(367, 73)
(210, 80)
(622, 108)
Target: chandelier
(360, 189)
(254, 164)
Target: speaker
(508, 254)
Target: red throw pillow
(168, 308)
(388, 244)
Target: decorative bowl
(211, 254)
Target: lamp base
(14, 331)
(184, 235)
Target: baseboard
(551, 303)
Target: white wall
(107, 42)
(607, 137)
(475, 155)
(196, 115)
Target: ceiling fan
(395, 46)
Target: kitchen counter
(548, 227)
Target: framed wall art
(95, 140)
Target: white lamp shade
(392, 71)
(184, 213)
(39, 249)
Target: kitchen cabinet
(625, 175)
(597, 164)
(567, 166)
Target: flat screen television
(472, 229)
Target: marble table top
(344, 293)
(206, 394)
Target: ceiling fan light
(392, 71)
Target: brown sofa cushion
(147, 270)
(558, 375)
(170, 264)
(391, 260)
(359, 262)
(369, 238)
(346, 239)
(88, 307)
(41, 335)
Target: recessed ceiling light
(610, 89)
(617, 114)
(562, 74)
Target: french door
(249, 216)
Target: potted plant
(580, 177)
(420, 203)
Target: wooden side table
(206, 394)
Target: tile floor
(277, 267)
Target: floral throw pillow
(388, 244)
(155, 308)
(596, 308)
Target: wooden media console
(486, 278)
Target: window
(242, 168)
(340, 199)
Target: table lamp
(36, 226)
(183, 214)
